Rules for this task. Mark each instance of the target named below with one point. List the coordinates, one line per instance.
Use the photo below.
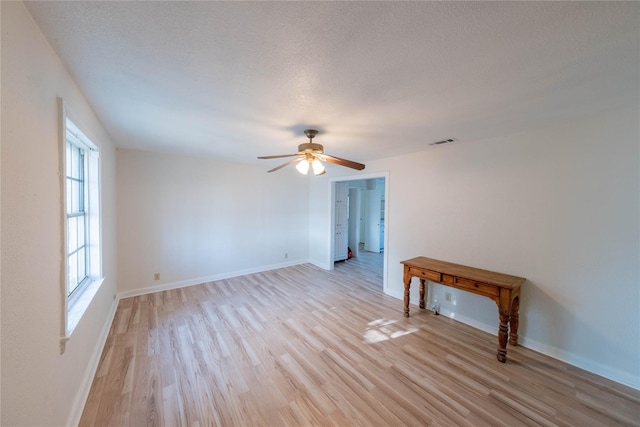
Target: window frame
(76, 302)
(82, 212)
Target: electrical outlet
(156, 276)
(447, 296)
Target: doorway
(359, 235)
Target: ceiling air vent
(444, 141)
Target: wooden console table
(502, 288)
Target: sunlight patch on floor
(383, 329)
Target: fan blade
(341, 162)
(278, 156)
(284, 164)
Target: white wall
(194, 220)
(39, 385)
(559, 206)
(0, 223)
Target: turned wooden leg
(503, 333)
(422, 288)
(513, 322)
(407, 285)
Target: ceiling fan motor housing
(310, 147)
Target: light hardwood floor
(302, 346)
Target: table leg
(513, 321)
(503, 333)
(422, 292)
(504, 309)
(407, 285)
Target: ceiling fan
(310, 156)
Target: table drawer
(448, 279)
(426, 274)
(477, 287)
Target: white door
(341, 238)
(372, 227)
(354, 220)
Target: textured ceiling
(235, 80)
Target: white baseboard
(490, 329)
(320, 264)
(205, 279)
(605, 371)
(572, 359)
(90, 372)
(611, 373)
(395, 294)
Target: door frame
(332, 222)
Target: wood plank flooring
(301, 346)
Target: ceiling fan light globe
(318, 167)
(303, 166)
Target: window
(76, 219)
(81, 232)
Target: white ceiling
(235, 80)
